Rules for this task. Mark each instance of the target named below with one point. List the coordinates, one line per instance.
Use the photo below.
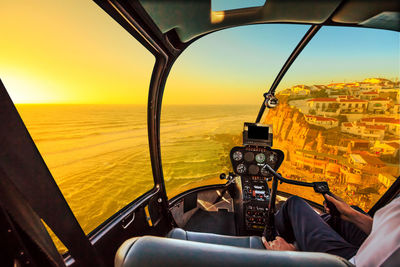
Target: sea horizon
(98, 154)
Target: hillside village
(345, 133)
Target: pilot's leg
(350, 232)
(297, 221)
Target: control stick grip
(323, 188)
(269, 230)
(332, 208)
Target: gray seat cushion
(235, 241)
(157, 251)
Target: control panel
(249, 163)
(254, 189)
(255, 201)
(255, 217)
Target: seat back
(158, 251)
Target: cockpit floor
(221, 222)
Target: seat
(158, 251)
(235, 241)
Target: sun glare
(30, 89)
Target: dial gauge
(237, 155)
(249, 156)
(265, 172)
(241, 168)
(260, 157)
(271, 158)
(254, 169)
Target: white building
(386, 179)
(369, 86)
(372, 132)
(334, 106)
(378, 105)
(392, 125)
(394, 109)
(386, 148)
(325, 122)
(369, 95)
(353, 105)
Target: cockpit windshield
(337, 119)
(215, 86)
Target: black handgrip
(323, 188)
(332, 208)
(269, 230)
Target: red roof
(375, 127)
(369, 93)
(379, 99)
(301, 85)
(346, 97)
(371, 160)
(381, 119)
(323, 99)
(394, 144)
(331, 84)
(359, 141)
(353, 100)
(320, 118)
(348, 124)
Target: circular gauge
(241, 168)
(249, 156)
(260, 157)
(271, 158)
(254, 169)
(237, 155)
(265, 172)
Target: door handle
(128, 219)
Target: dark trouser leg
(297, 221)
(349, 231)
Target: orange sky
(59, 51)
(69, 52)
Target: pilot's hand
(346, 212)
(278, 244)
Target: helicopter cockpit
(127, 135)
(247, 196)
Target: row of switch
(249, 207)
(256, 220)
(255, 213)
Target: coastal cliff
(314, 153)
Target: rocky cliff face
(291, 131)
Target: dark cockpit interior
(237, 218)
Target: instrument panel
(250, 161)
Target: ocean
(99, 154)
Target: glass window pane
(214, 87)
(338, 119)
(80, 83)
